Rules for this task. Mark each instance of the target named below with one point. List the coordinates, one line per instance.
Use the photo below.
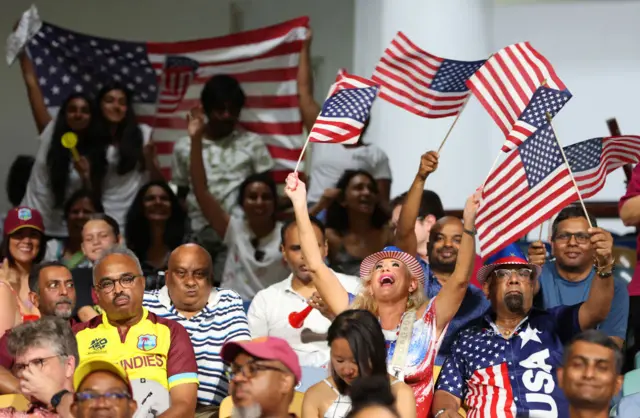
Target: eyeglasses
(19, 368)
(249, 370)
(91, 397)
(506, 274)
(258, 254)
(57, 284)
(126, 281)
(581, 237)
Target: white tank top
(342, 404)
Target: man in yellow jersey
(155, 352)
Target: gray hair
(118, 249)
(594, 336)
(47, 332)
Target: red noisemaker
(296, 319)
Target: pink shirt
(633, 189)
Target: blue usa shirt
(515, 377)
(473, 306)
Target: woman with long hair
(372, 398)
(77, 211)
(393, 290)
(357, 351)
(357, 224)
(55, 176)
(128, 158)
(22, 247)
(252, 235)
(156, 225)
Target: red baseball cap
(22, 217)
(264, 348)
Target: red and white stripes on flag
(505, 84)
(420, 82)
(265, 62)
(177, 75)
(490, 393)
(345, 80)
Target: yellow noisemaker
(69, 141)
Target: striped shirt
(222, 319)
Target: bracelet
(471, 232)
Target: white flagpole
(454, 123)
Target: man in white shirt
(270, 309)
(230, 156)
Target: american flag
(423, 83)
(544, 101)
(527, 188)
(264, 61)
(344, 80)
(507, 81)
(177, 75)
(593, 159)
(343, 115)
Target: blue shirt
(473, 306)
(501, 377)
(557, 291)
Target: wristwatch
(57, 398)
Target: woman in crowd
(77, 210)
(372, 398)
(22, 247)
(252, 235)
(156, 224)
(357, 351)
(55, 176)
(128, 154)
(393, 290)
(357, 225)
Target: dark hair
(571, 211)
(337, 216)
(221, 91)
(5, 253)
(79, 195)
(430, 204)
(314, 221)
(34, 274)
(137, 229)
(59, 157)
(594, 336)
(128, 135)
(109, 220)
(18, 178)
(264, 178)
(371, 391)
(363, 333)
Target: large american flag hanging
(343, 115)
(507, 81)
(545, 101)
(527, 188)
(264, 61)
(593, 159)
(421, 82)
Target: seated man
(211, 316)
(155, 352)
(102, 389)
(567, 279)
(504, 364)
(263, 375)
(270, 309)
(46, 354)
(590, 376)
(53, 293)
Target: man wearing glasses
(263, 374)
(504, 364)
(567, 279)
(155, 352)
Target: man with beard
(270, 309)
(590, 376)
(231, 155)
(155, 352)
(504, 364)
(53, 293)
(442, 245)
(263, 375)
(567, 279)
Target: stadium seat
(631, 383)
(18, 402)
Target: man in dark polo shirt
(53, 293)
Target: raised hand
(7, 274)
(471, 208)
(83, 167)
(602, 242)
(295, 189)
(537, 253)
(428, 164)
(196, 123)
(316, 302)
